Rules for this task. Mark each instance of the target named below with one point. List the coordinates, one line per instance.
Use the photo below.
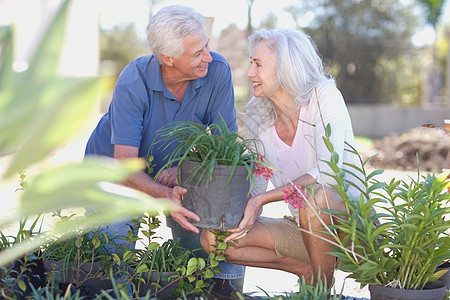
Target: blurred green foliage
(39, 111)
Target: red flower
(294, 196)
(261, 170)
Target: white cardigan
(326, 106)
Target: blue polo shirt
(141, 104)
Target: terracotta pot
(433, 291)
(219, 205)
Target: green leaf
(328, 144)
(192, 262)
(438, 274)
(127, 255)
(200, 284)
(6, 58)
(201, 263)
(221, 246)
(209, 274)
(379, 230)
(22, 285)
(45, 60)
(214, 263)
(328, 131)
(152, 246)
(116, 258)
(66, 106)
(220, 257)
(142, 269)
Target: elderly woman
(293, 102)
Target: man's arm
(142, 182)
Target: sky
(114, 12)
(224, 12)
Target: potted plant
(399, 247)
(81, 259)
(215, 164)
(158, 269)
(165, 270)
(309, 291)
(19, 276)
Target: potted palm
(395, 251)
(215, 164)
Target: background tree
(249, 17)
(433, 93)
(362, 42)
(270, 21)
(433, 9)
(121, 45)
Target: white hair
(168, 27)
(298, 66)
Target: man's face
(193, 63)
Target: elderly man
(181, 81)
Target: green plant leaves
(402, 245)
(215, 145)
(69, 103)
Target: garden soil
(427, 148)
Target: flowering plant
(210, 146)
(294, 196)
(262, 170)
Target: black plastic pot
(32, 273)
(219, 205)
(92, 286)
(433, 291)
(446, 277)
(167, 285)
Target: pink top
(292, 160)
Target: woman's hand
(251, 213)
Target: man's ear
(167, 60)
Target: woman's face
(262, 71)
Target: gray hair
(168, 27)
(299, 68)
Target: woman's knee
(327, 198)
(207, 240)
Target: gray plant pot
(219, 205)
(433, 291)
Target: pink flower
(294, 196)
(261, 170)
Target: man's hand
(168, 177)
(166, 187)
(180, 214)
